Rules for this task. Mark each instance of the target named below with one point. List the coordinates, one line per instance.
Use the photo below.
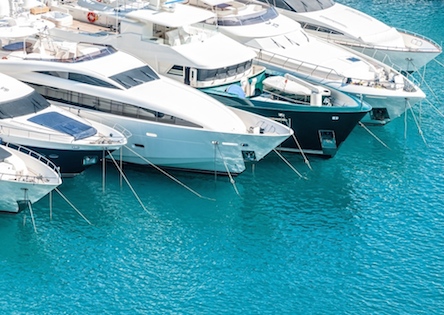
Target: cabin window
(79, 78)
(176, 70)
(89, 80)
(108, 105)
(222, 73)
(135, 77)
(317, 28)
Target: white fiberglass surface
(177, 99)
(358, 25)
(214, 52)
(182, 15)
(319, 54)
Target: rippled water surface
(363, 233)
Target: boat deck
(87, 27)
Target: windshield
(31, 103)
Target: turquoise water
(362, 234)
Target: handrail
(363, 45)
(381, 47)
(420, 36)
(12, 131)
(297, 64)
(33, 154)
(18, 132)
(308, 70)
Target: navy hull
(319, 130)
(70, 162)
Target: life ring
(92, 17)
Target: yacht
(217, 67)
(171, 124)
(172, 39)
(69, 141)
(321, 118)
(341, 24)
(282, 45)
(25, 178)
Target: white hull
(188, 148)
(32, 182)
(401, 59)
(403, 50)
(171, 124)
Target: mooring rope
(372, 134)
(232, 181)
(435, 108)
(440, 63)
(69, 202)
(168, 175)
(302, 152)
(288, 163)
(416, 122)
(127, 181)
(32, 215)
(432, 92)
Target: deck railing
(33, 154)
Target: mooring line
(25, 197)
(69, 202)
(168, 175)
(441, 64)
(128, 183)
(232, 181)
(302, 152)
(405, 119)
(372, 134)
(430, 89)
(288, 163)
(32, 215)
(103, 170)
(50, 205)
(416, 122)
(435, 108)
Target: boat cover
(62, 123)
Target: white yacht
(28, 119)
(341, 24)
(172, 38)
(216, 67)
(171, 124)
(25, 178)
(281, 44)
